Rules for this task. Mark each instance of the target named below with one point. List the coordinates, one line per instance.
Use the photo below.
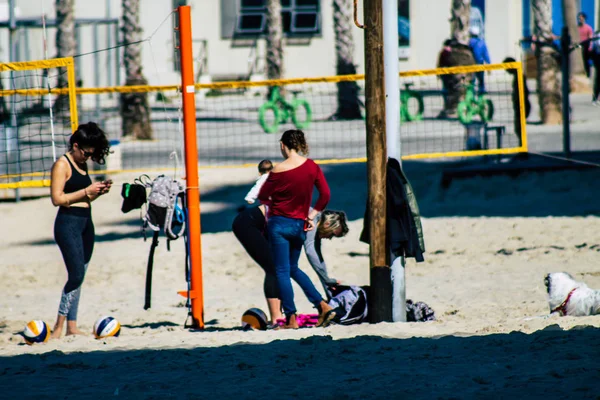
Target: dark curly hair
(294, 139)
(90, 135)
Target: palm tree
(274, 41)
(135, 111)
(548, 84)
(349, 104)
(460, 54)
(65, 46)
(570, 17)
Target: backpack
(165, 207)
(350, 305)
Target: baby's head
(264, 167)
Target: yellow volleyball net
(444, 113)
(38, 113)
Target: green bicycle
(474, 105)
(277, 111)
(408, 97)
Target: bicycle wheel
(464, 112)
(301, 118)
(414, 107)
(486, 110)
(269, 116)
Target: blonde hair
(335, 220)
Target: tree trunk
(65, 47)
(274, 40)
(349, 105)
(460, 54)
(570, 17)
(548, 83)
(135, 111)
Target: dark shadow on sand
(547, 364)
(528, 189)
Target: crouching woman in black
(72, 191)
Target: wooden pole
(191, 165)
(380, 297)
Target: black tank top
(77, 181)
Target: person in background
(443, 62)
(585, 32)
(481, 55)
(264, 167)
(288, 195)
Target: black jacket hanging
(404, 233)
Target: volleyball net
(38, 112)
(443, 114)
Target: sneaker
(596, 103)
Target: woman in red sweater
(288, 194)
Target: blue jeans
(480, 76)
(286, 237)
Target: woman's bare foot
(58, 327)
(326, 314)
(291, 323)
(72, 329)
(56, 333)
(74, 332)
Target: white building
(227, 33)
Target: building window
(403, 29)
(299, 17)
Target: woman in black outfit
(72, 191)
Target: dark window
(299, 17)
(245, 4)
(305, 22)
(251, 22)
(403, 23)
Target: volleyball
(106, 326)
(254, 318)
(36, 331)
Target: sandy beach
(490, 241)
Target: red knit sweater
(289, 193)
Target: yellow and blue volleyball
(106, 327)
(254, 318)
(36, 331)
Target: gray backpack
(165, 207)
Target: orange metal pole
(191, 164)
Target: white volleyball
(36, 331)
(106, 326)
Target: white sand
(483, 276)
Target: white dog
(566, 296)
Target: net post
(191, 164)
(392, 133)
(380, 298)
(72, 85)
(521, 116)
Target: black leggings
(74, 234)
(250, 229)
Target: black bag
(134, 196)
